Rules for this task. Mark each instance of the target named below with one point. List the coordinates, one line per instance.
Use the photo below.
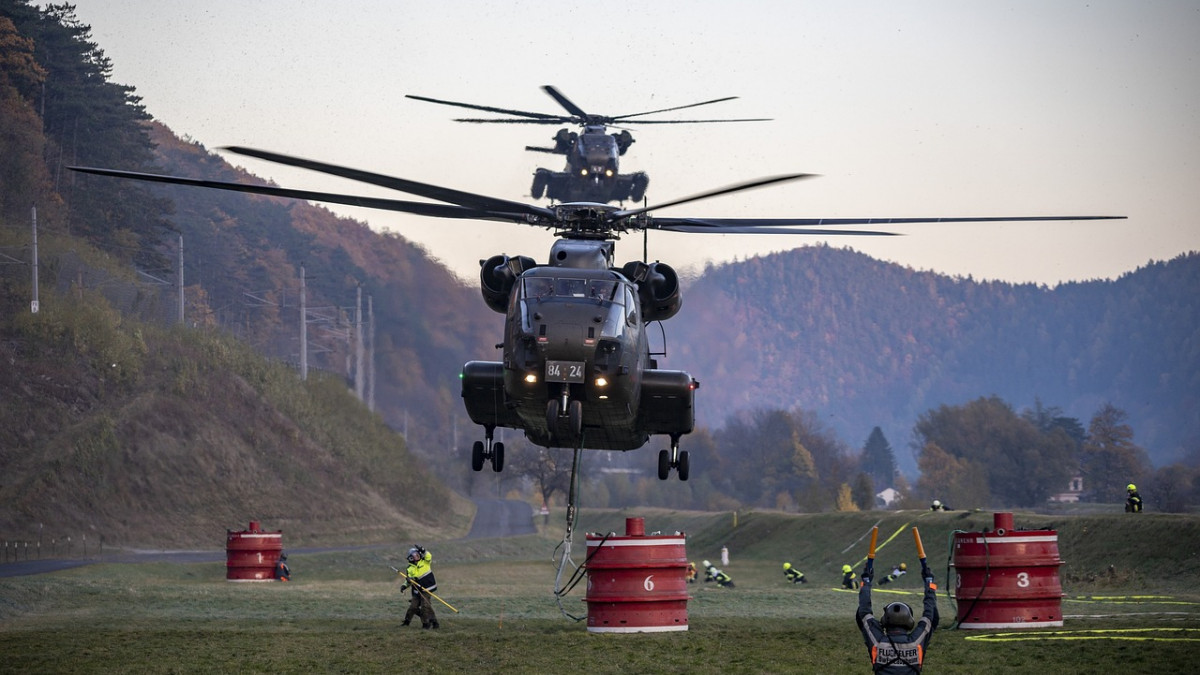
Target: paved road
(494, 518)
(501, 518)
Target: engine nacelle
(497, 275)
(658, 289)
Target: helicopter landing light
(583, 172)
(531, 378)
(608, 173)
(602, 381)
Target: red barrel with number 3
(1007, 578)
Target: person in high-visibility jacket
(421, 579)
(793, 575)
(897, 572)
(849, 580)
(898, 642)
(1133, 501)
(713, 574)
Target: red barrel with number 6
(636, 583)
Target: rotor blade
(761, 182)
(552, 151)
(419, 208)
(678, 107)
(502, 120)
(564, 101)
(743, 223)
(747, 119)
(456, 197)
(696, 226)
(485, 108)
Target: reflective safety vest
(421, 574)
(886, 656)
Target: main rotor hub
(584, 220)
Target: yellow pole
(920, 548)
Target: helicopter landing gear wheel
(477, 456)
(637, 190)
(487, 450)
(575, 416)
(541, 178)
(552, 410)
(674, 459)
(497, 457)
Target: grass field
(341, 613)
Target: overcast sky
(905, 109)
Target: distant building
(1072, 493)
(887, 497)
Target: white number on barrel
(648, 584)
(1023, 579)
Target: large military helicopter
(592, 172)
(576, 368)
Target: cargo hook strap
(562, 552)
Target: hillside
(138, 435)
(866, 343)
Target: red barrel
(636, 583)
(250, 555)
(1007, 578)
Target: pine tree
(878, 461)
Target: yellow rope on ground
(1185, 635)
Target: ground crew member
(420, 577)
(713, 574)
(282, 571)
(897, 572)
(691, 572)
(897, 644)
(937, 505)
(793, 575)
(1133, 502)
(849, 580)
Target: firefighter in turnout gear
(1133, 502)
(849, 580)
(713, 574)
(898, 642)
(420, 578)
(793, 575)
(897, 572)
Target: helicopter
(576, 369)
(593, 155)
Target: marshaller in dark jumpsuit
(897, 643)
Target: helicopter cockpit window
(571, 288)
(605, 291)
(538, 287)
